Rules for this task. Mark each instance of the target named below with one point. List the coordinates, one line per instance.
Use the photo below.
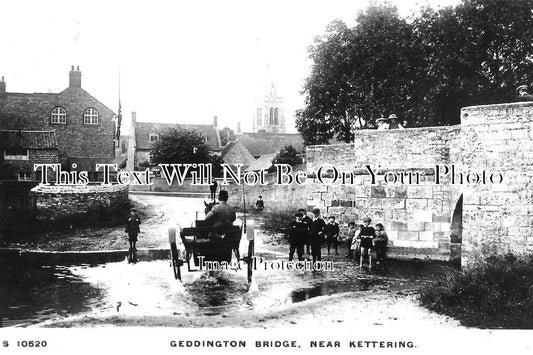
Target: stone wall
(161, 185)
(498, 218)
(56, 203)
(277, 198)
(417, 216)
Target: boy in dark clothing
(132, 228)
(307, 221)
(316, 234)
(259, 204)
(297, 235)
(331, 230)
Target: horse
(208, 206)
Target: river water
(31, 294)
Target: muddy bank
(88, 238)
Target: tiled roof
(28, 139)
(227, 147)
(143, 130)
(267, 143)
(262, 163)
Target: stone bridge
(483, 206)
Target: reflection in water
(331, 288)
(216, 293)
(32, 294)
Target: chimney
(238, 128)
(2, 88)
(133, 116)
(74, 78)
(215, 121)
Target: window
(16, 154)
(90, 116)
(58, 115)
(276, 115)
(271, 121)
(154, 137)
(24, 176)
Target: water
(35, 294)
(32, 294)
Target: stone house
(20, 150)
(234, 152)
(84, 127)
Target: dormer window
(90, 116)
(58, 115)
(154, 137)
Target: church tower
(270, 115)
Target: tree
(287, 155)
(359, 73)
(423, 69)
(180, 146)
(226, 135)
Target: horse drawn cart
(203, 243)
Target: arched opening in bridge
(456, 232)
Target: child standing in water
(380, 243)
(351, 239)
(132, 228)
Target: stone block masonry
(414, 213)
(56, 203)
(499, 218)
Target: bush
(273, 222)
(496, 293)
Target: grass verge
(495, 293)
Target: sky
(179, 61)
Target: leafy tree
(359, 73)
(287, 155)
(226, 135)
(179, 146)
(423, 69)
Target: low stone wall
(277, 198)
(161, 185)
(56, 203)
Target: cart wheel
(176, 262)
(250, 260)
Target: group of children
(362, 239)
